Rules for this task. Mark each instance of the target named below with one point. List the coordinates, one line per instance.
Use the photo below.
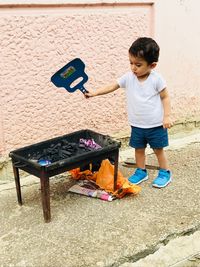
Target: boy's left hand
(167, 123)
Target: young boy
(148, 107)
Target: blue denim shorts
(156, 137)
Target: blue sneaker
(163, 179)
(139, 176)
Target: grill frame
(110, 150)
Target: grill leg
(45, 191)
(17, 183)
(116, 170)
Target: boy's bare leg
(162, 159)
(140, 157)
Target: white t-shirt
(144, 105)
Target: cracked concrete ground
(183, 251)
(87, 232)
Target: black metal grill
(62, 154)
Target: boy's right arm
(102, 91)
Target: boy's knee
(158, 151)
(139, 150)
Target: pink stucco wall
(38, 37)
(177, 31)
(35, 42)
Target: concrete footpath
(156, 228)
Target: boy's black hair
(145, 48)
